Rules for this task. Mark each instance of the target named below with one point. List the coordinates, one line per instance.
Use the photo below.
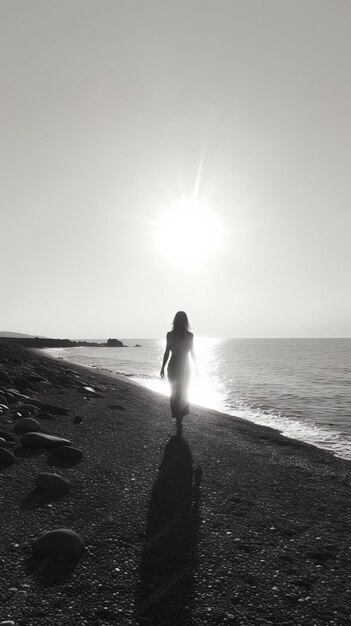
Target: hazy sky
(107, 109)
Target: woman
(180, 343)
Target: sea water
(301, 387)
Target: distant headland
(47, 342)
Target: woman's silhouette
(180, 343)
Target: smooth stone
(3, 400)
(56, 410)
(9, 445)
(21, 382)
(68, 452)
(44, 416)
(42, 440)
(90, 391)
(43, 385)
(27, 425)
(7, 436)
(34, 378)
(59, 542)
(53, 484)
(27, 409)
(21, 397)
(14, 391)
(34, 402)
(64, 379)
(5, 378)
(6, 458)
(7, 622)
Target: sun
(189, 233)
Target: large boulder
(114, 343)
(53, 484)
(61, 542)
(6, 458)
(42, 440)
(27, 425)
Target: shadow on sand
(165, 590)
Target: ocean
(301, 387)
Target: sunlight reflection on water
(205, 388)
(299, 387)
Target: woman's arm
(192, 352)
(165, 358)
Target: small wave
(325, 438)
(308, 432)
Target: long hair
(180, 323)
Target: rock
(11, 399)
(54, 484)
(22, 383)
(59, 542)
(118, 407)
(3, 408)
(34, 378)
(9, 445)
(3, 400)
(68, 452)
(6, 458)
(34, 402)
(42, 440)
(7, 436)
(56, 410)
(20, 397)
(43, 385)
(90, 391)
(44, 416)
(5, 378)
(7, 622)
(27, 425)
(77, 419)
(114, 343)
(2, 441)
(27, 409)
(64, 379)
(137, 345)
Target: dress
(179, 372)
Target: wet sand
(230, 524)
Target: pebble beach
(107, 517)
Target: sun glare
(189, 233)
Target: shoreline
(234, 523)
(280, 431)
